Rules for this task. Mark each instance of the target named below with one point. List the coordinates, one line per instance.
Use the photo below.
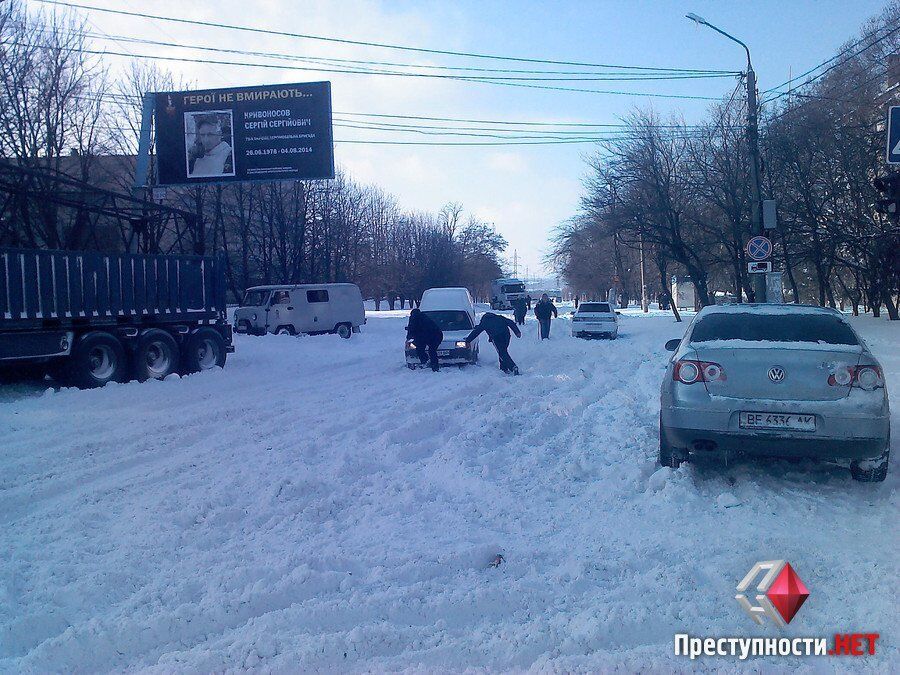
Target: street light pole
(759, 280)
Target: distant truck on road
(504, 291)
(89, 318)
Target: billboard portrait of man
(207, 142)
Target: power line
(829, 69)
(363, 43)
(477, 133)
(493, 81)
(135, 98)
(655, 75)
(387, 126)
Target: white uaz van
(306, 308)
(453, 311)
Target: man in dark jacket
(497, 328)
(427, 337)
(542, 311)
(520, 309)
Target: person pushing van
(497, 328)
(427, 337)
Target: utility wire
(321, 60)
(827, 70)
(494, 81)
(423, 50)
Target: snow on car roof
(768, 344)
(284, 287)
(761, 308)
(446, 298)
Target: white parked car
(595, 319)
(306, 308)
(453, 311)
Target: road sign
(759, 248)
(759, 267)
(893, 135)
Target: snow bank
(317, 506)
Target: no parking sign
(759, 248)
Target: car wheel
(871, 471)
(344, 330)
(668, 456)
(284, 330)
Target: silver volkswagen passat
(774, 380)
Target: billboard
(265, 133)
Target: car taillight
(869, 377)
(864, 377)
(688, 371)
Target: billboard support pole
(142, 169)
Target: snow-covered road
(317, 506)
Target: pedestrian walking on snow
(427, 337)
(497, 328)
(520, 309)
(543, 311)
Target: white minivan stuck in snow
(305, 308)
(453, 310)
(595, 319)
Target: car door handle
(290, 309)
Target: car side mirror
(672, 345)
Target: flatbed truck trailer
(88, 318)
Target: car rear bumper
(768, 444)
(582, 331)
(836, 436)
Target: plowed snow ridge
(317, 506)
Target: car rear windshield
(817, 328)
(451, 319)
(594, 307)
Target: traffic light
(890, 186)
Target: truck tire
(345, 330)
(156, 356)
(96, 359)
(204, 350)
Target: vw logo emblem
(776, 373)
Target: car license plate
(443, 352)
(791, 422)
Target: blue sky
(524, 191)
